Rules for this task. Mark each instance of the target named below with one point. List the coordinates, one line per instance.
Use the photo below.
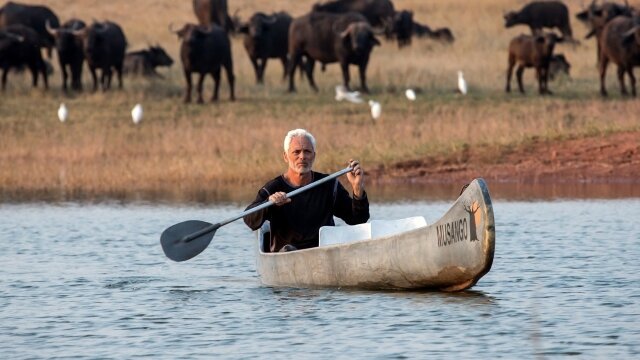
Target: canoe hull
(451, 254)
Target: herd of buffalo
(336, 31)
(616, 28)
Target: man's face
(300, 155)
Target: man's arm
(352, 210)
(255, 220)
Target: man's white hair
(295, 133)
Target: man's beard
(301, 169)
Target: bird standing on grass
(462, 84)
(410, 94)
(351, 96)
(63, 113)
(136, 114)
(376, 109)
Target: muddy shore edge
(610, 158)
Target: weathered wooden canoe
(451, 254)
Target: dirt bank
(611, 158)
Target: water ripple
(90, 281)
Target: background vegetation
(211, 150)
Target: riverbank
(602, 166)
(608, 158)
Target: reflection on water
(379, 193)
(469, 297)
(91, 281)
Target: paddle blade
(178, 247)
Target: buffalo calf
(144, 62)
(443, 35)
(531, 51)
(403, 27)
(558, 65)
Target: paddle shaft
(264, 205)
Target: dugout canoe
(451, 254)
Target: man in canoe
(295, 222)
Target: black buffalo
(266, 37)
(403, 27)
(541, 14)
(443, 35)
(144, 62)
(20, 47)
(558, 65)
(379, 13)
(213, 12)
(104, 45)
(596, 16)
(328, 38)
(70, 51)
(204, 50)
(33, 16)
(620, 44)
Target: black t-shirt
(298, 222)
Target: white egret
(354, 97)
(410, 94)
(136, 114)
(462, 84)
(340, 92)
(376, 109)
(351, 96)
(63, 113)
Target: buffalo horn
(50, 30)
(79, 32)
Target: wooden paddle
(187, 239)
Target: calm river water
(91, 281)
